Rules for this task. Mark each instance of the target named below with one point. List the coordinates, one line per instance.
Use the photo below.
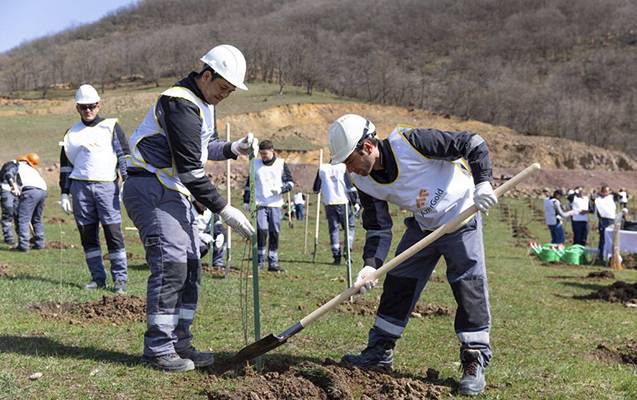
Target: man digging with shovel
(436, 175)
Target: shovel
(272, 341)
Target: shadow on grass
(28, 277)
(587, 286)
(39, 346)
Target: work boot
(275, 268)
(472, 382)
(169, 362)
(119, 287)
(379, 355)
(201, 359)
(92, 285)
(337, 260)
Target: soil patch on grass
(56, 220)
(56, 244)
(110, 309)
(4, 273)
(626, 354)
(618, 292)
(331, 381)
(363, 307)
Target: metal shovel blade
(263, 345)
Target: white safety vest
(449, 184)
(580, 204)
(298, 199)
(551, 217)
(90, 150)
(605, 206)
(333, 187)
(149, 127)
(623, 197)
(29, 176)
(269, 180)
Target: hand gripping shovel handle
(271, 341)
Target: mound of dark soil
(112, 309)
(618, 292)
(362, 306)
(601, 275)
(56, 244)
(330, 380)
(626, 354)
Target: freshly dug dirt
(56, 244)
(363, 307)
(601, 275)
(3, 271)
(112, 309)
(626, 354)
(618, 292)
(331, 381)
(55, 220)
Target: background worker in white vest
(93, 153)
(32, 191)
(9, 200)
(553, 216)
(581, 208)
(338, 197)
(605, 209)
(299, 205)
(166, 170)
(441, 174)
(622, 198)
(272, 179)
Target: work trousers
(164, 219)
(30, 210)
(268, 229)
(96, 203)
(463, 252)
(580, 232)
(557, 233)
(9, 206)
(601, 227)
(336, 218)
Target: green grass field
(544, 341)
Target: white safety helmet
(227, 61)
(86, 94)
(345, 134)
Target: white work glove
(357, 208)
(206, 238)
(363, 279)
(65, 203)
(246, 206)
(242, 146)
(275, 191)
(484, 197)
(219, 241)
(237, 221)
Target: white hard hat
(227, 61)
(345, 134)
(86, 94)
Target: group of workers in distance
(434, 174)
(582, 204)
